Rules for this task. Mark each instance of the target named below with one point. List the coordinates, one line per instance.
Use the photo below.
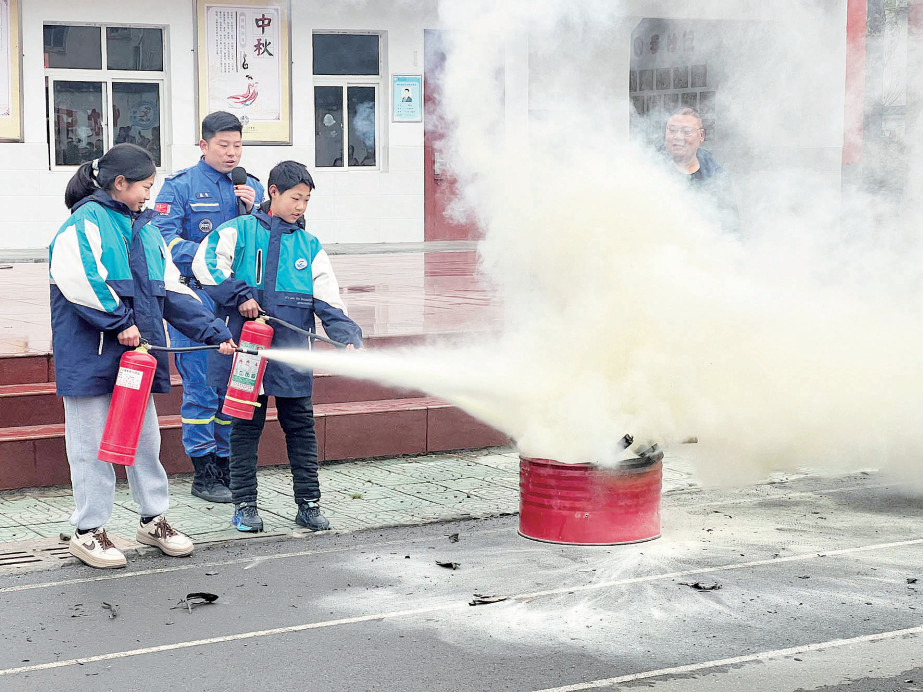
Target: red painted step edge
(34, 455)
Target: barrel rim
(547, 540)
(626, 465)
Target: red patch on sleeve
(162, 208)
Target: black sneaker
(310, 517)
(246, 518)
(208, 483)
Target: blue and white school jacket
(110, 269)
(286, 270)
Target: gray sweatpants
(93, 481)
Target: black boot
(207, 482)
(223, 464)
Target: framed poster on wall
(244, 68)
(10, 108)
(406, 98)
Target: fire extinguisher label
(246, 368)
(128, 378)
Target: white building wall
(349, 206)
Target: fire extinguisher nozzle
(249, 352)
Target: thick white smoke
(794, 342)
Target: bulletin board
(406, 98)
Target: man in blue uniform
(190, 205)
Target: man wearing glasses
(682, 140)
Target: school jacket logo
(301, 263)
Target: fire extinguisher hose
(188, 349)
(312, 335)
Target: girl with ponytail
(112, 284)
(127, 161)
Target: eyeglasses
(685, 131)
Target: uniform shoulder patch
(178, 174)
(162, 208)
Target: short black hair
(220, 121)
(287, 174)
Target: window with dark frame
(91, 107)
(347, 71)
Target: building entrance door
(439, 186)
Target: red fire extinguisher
(127, 408)
(247, 370)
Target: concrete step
(26, 368)
(37, 404)
(29, 405)
(34, 456)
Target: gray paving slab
(374, 474)
(368, 492)
(435, 493)
(17, 533)
(8, 522)
(52, 529)
(435, 475)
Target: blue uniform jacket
(286, 270)
(110, 269)
(712, 180)
(192, 203)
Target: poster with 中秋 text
(244, 66)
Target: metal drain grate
(55, 552)
(30, 556)
(18, 557)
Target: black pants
(296, 416)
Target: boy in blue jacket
(268, 262)
(191, 204)
(112, 283)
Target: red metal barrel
(586, 504)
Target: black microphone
(239, 177)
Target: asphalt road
(802, 585)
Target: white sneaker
(96, 550)
(159, 533)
